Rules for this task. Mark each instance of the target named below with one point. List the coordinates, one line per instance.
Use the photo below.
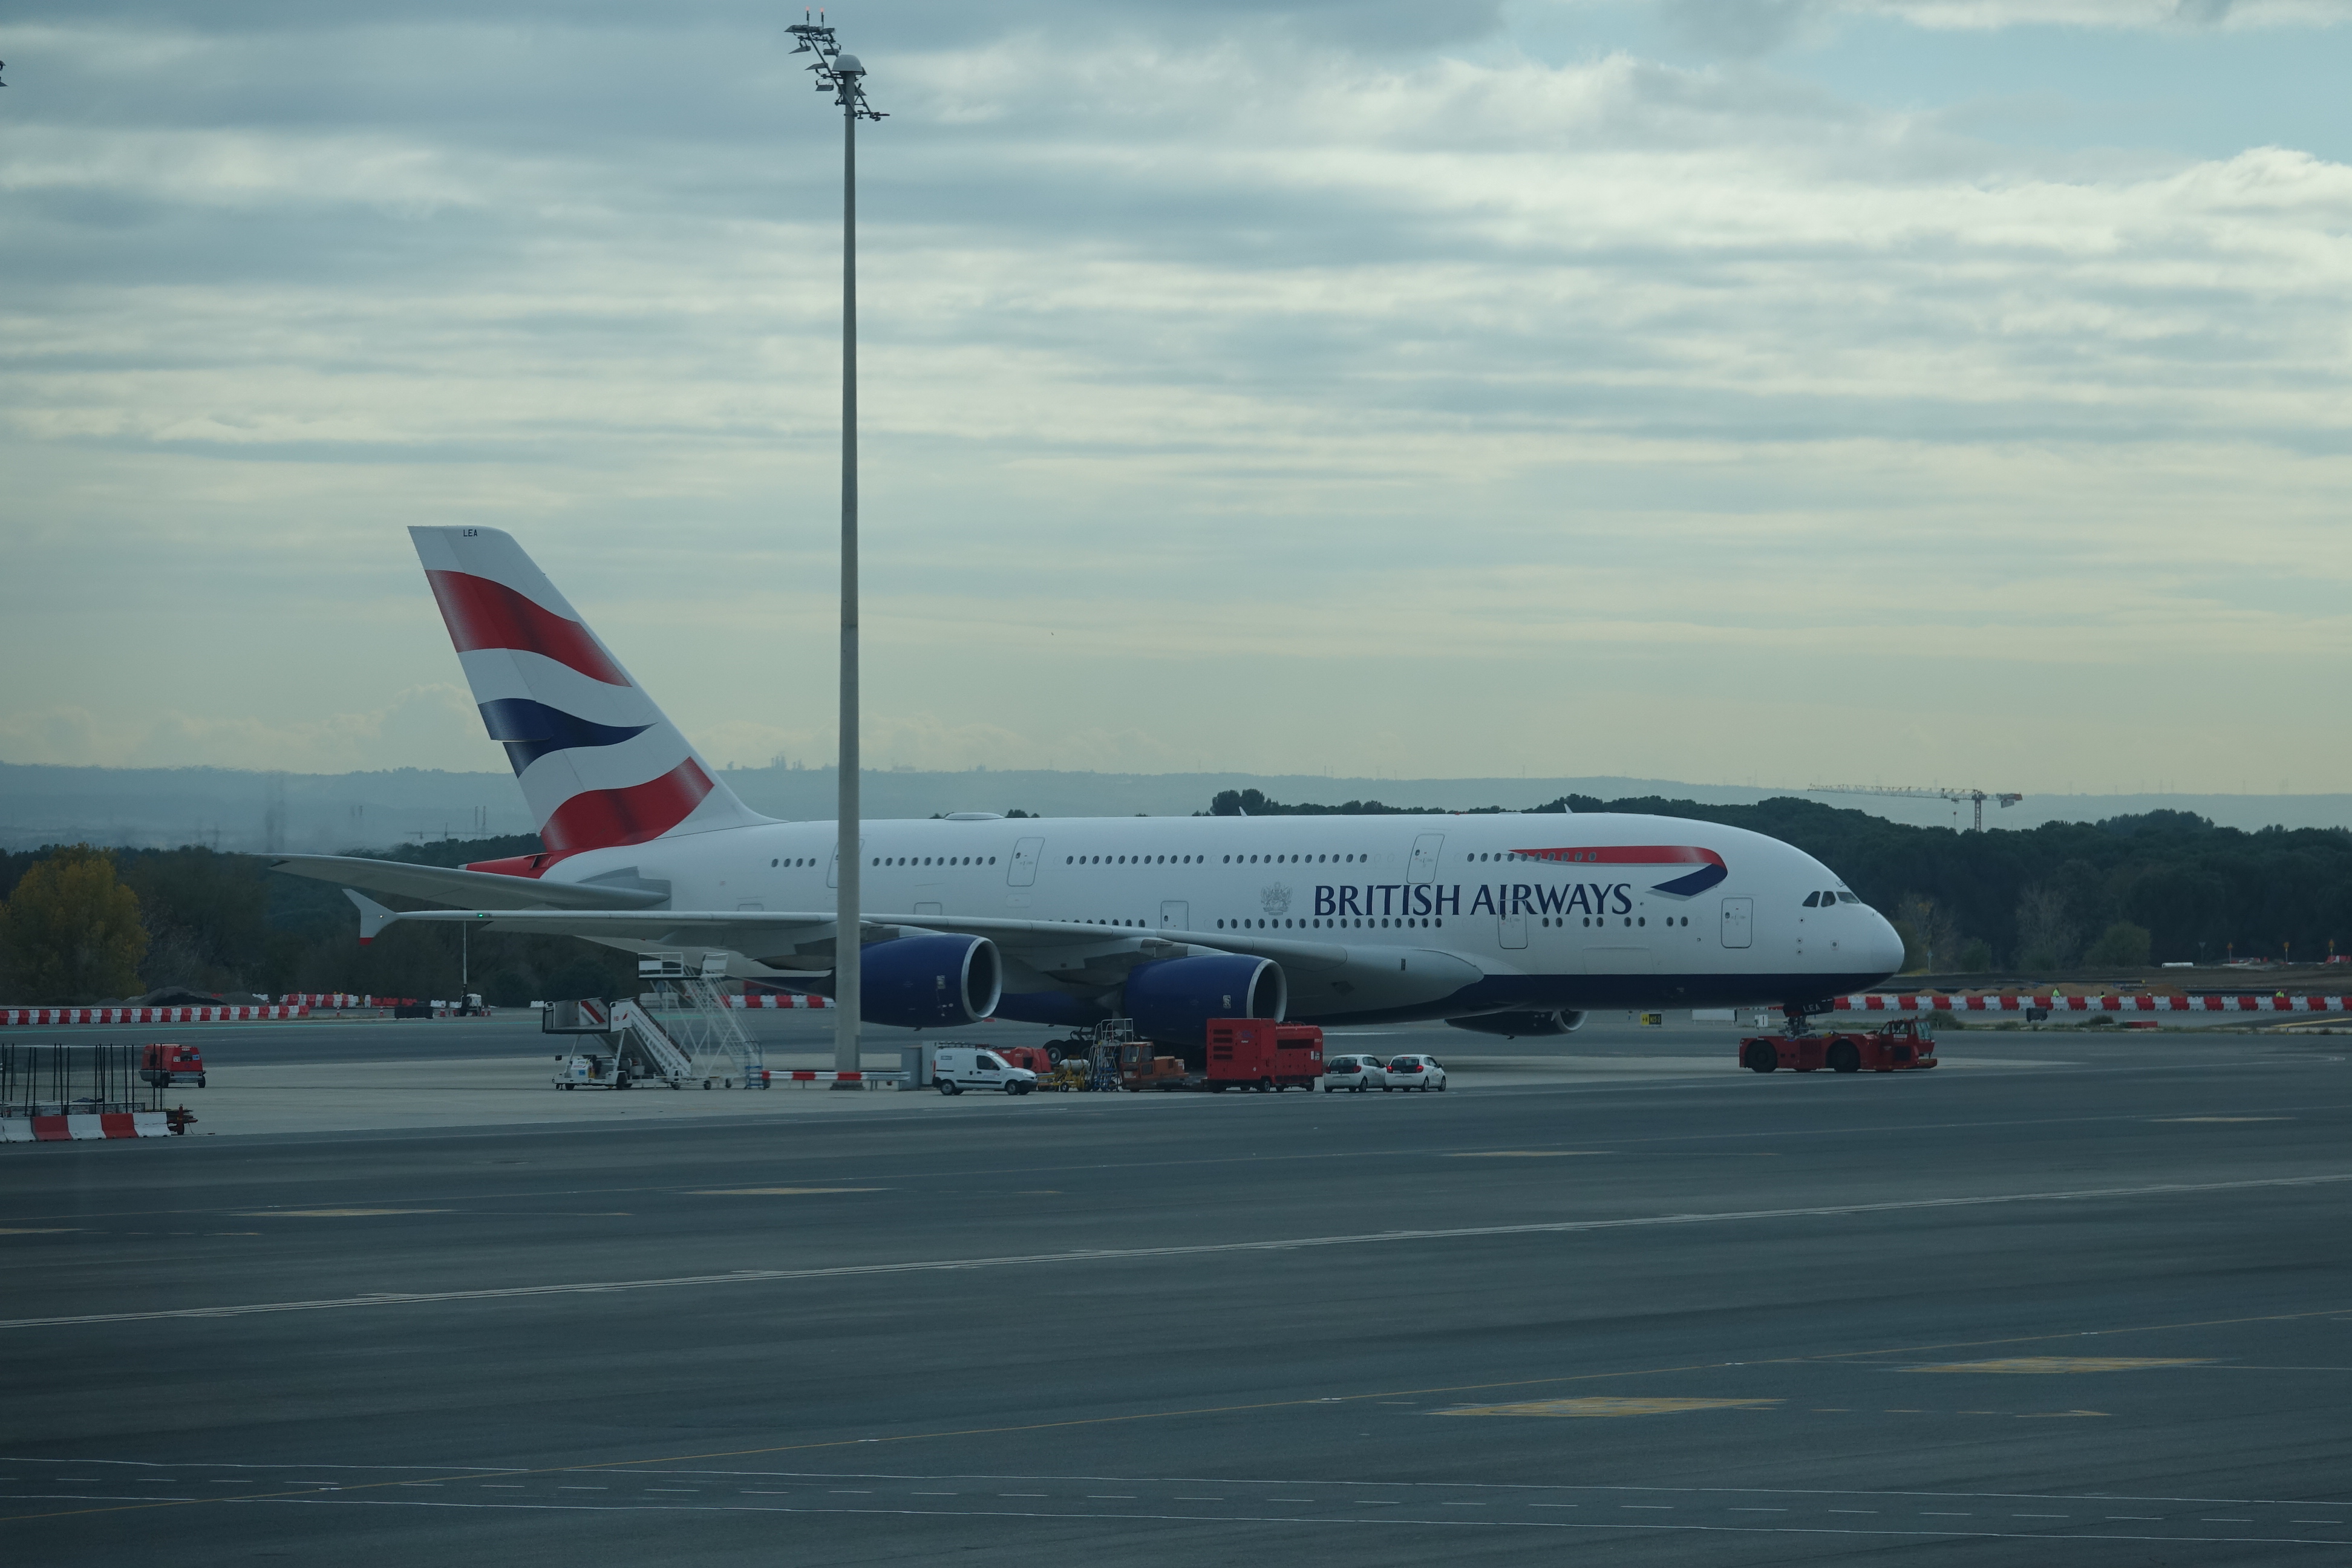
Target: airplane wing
(791, 945)
(778, 937)
(483, 889)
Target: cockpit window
(1845, 897)
(1812, 900)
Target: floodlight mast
(842, 76)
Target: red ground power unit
(1260, 1053)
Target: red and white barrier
(76, 1129)
(803, 1076)
(339, 1000)
(780, 999)
(146, 1014)
(2132, 1004)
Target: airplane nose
(1885, 947)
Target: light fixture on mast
(843, 77)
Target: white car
(1354, 1074)
(958, 1068)
(1412, 1072)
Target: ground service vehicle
(1039, 1059)
(594, 1070)
(1156, 1072)
(1420, 1072)
(1260, 1053)
(1900, 1046)
(1354, 1074)
(161, 1065)
(958, 1068)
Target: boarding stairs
(1114, 1039)
(697, 1020)
(638, 1048)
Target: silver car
(1354, 1074)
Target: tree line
(80, 925)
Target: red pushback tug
(1260, 1053)
(162, 1065)
(1897, 1048)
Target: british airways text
(1495, 899)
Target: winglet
(374, 917)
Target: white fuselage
(1549, 909)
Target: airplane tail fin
(599, 763)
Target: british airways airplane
(1504, 924)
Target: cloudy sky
(1726, 390)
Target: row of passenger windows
(1204, 859)
(1561, 921)
(1324, 925)
(1811, 900)
(908, 860)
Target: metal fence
(74, 1081)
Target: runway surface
(2091, 1310)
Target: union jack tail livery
(599, 764)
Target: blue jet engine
(1516, 1023)
(1173, 1001)
(928, 982)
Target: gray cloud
(1745, 29)
(1353, 370)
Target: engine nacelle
(1560, 1023)
(927, 982)
(1173, 1001)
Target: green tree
(1930, 941)
(71, 930)
(1976, 956)
(2046, 938)
(2122, 945)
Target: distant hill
(232, 809)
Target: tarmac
(2077, 1296)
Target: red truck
(162, 1065)
(1260, 1053)
(1897, 1048)
(1039, 1059)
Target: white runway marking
(1201, 1250)
(1946, 1534)
(1694, 1503)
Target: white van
(958, 1068)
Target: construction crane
(1976, 798)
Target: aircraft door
(1175, 914)
(1738, 921)
(1424, 858)
(1022, 873)
(832, 867)
(1513, 927)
